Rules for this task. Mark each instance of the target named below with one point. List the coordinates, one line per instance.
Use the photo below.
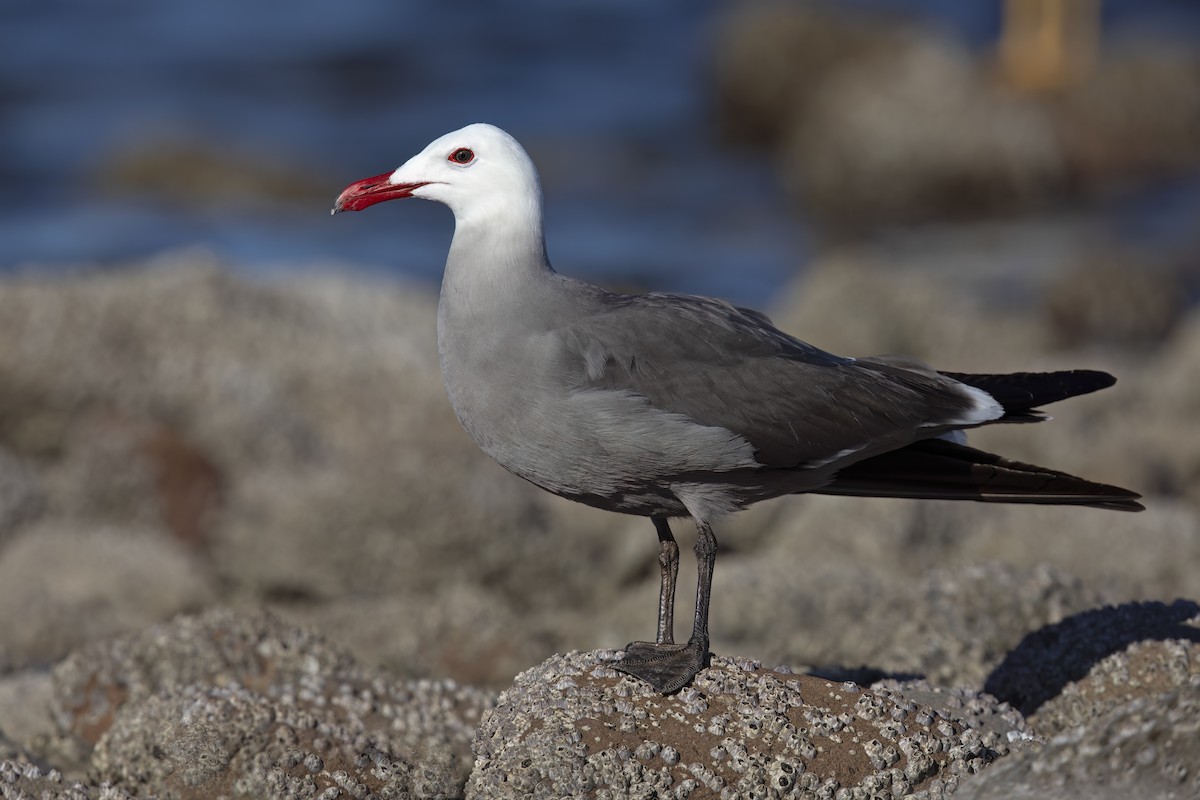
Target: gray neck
(488, 262)
(495, 272)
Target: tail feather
(1021, 393)
(941, 470)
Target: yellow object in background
(1047, 45)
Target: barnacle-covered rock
(265, 709)
(573, 726)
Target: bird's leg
(706, 559)
(669, 667)
(668, 565)
(668, 568)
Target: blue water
(612, 97)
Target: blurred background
(212, 392)
(699, 146)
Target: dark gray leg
(669, 667)
(706, 559)
(668, 565)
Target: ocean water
(614, 98)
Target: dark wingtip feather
(1021, 392)
(937, 469)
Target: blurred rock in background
(876, 123)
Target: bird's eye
(462, 155)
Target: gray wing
(727, 367)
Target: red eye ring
(463, 155)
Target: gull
(668, 405)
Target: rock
(25, 699)
(838, 616)
(259, 691)
(1090, 683)
(207, 741)
(123, 469)
(65, 583)
(924, 313)
(1105, 656)
(876, 120)
(1164, 446)
(1136, 113)
(1118, 556)
(872, 121)
(21, 498)
(460, 631)
(1108, 300)
(259, 661)
(1148, 747)
(917, 134)
(21, 780)
(951, 625)
(1147, 668)
(964, 621)
(772, 59)
(574, 726)
(1002, 727)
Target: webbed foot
(666, 667)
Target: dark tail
(939, 470)
(1021, 393)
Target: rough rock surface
(22, 780)
(1063, 674)
(232, 742)
(966, 620)
(260, 708)
(1147, 748)
(573, 726)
